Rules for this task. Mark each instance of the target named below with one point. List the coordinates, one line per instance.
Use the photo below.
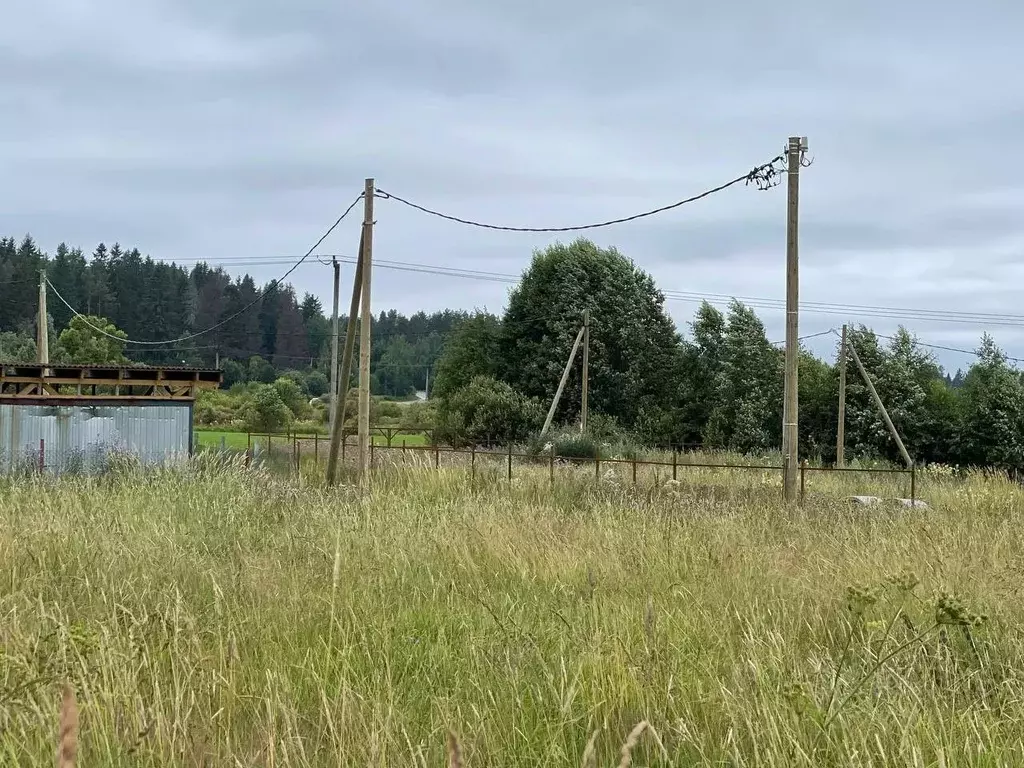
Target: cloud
(239, 129)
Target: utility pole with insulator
(42, 331)
(790, 438)
(841, 424)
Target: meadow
(220, 616)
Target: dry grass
(218, 618)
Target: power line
(720, 299)
(765, 176)
(227, 320)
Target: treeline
(720, 386)
(152, 301)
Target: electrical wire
(765, 176)
(226, 320)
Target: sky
(237, 131)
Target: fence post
(316, 447)
(597, 468)
(42, 455)
(248, 457)
(437, 456)
(913, 487)
(634, 470)
(269, 453)
(472, 465)
(371, 451)
(248, 440)
(223, 444)
(551, 465)
(343, 441)
(803, 473)
(675, 461)
(510, 462)
(295, 453)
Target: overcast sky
(237, 130)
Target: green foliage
(216, 408)
(472, 349)
(261, 371)
(576, 446)
(992, 426)
(264, 410)
(291, 395)
(634, 348)
(234, 373)
(91, 339)
(487, 411)
(317, 384)
(17, 348)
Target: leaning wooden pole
(561, 384)
(881, 408)
(340, 399)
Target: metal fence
(293, 449)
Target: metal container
(86, 437)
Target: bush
(487, 411)
(317, 384)
(265, 411)
(576, 446)
(215, 408)
(293, 396)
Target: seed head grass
(217, 616)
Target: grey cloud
(242, 127)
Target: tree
(396, 370)
(746, 414)
(472, 349)
(91, 339)
(991, 431)
(17, 348)
(634, 347)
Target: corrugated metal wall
(82, 437)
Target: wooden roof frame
(21, 382)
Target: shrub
(487, 411)
(576, 446)
(265, 411)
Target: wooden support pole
(841, 424)
(365, 322)
(880, 406)
(338, 404)
(334, 337)
(561, 384)
(584, 409)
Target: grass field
(218, 617)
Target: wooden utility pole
(334, 336)
(584, 411)
(561, 384)
(841, 424)
(790, 411)
(339, 402)
(42, 331)
(881, 408)
(365, 320)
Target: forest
(718, 385)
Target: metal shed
(63, 418)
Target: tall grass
(213, 616)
